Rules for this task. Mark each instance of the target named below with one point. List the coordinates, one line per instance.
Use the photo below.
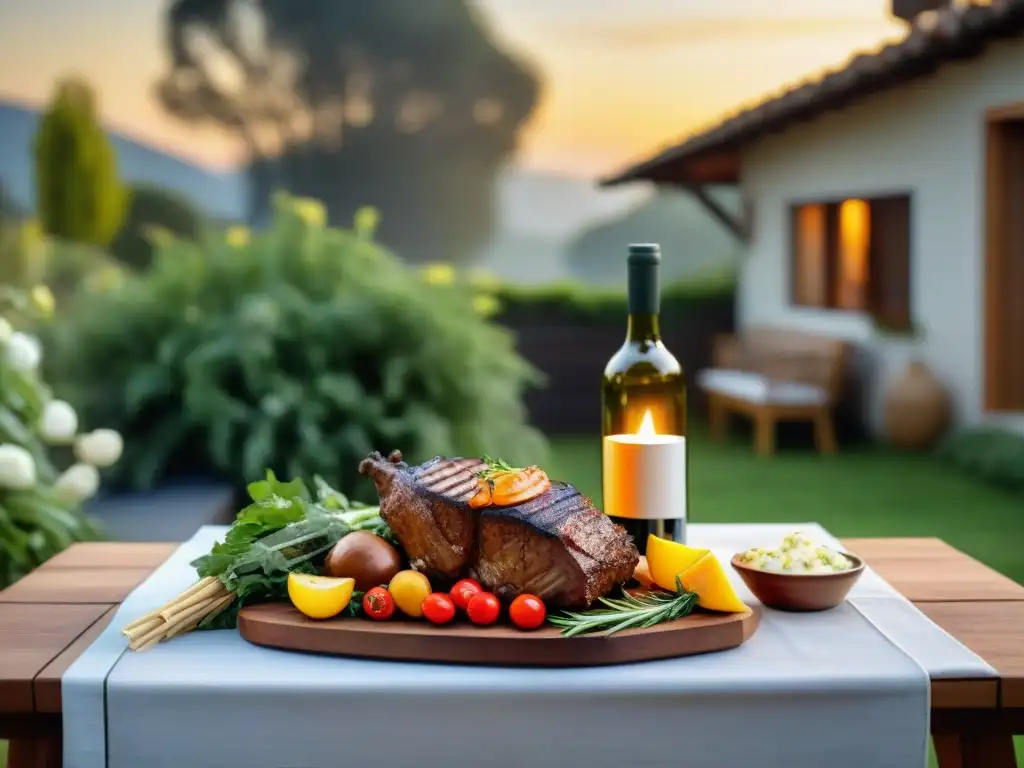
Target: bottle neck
(644, 299)
(642, 328)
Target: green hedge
(991, 454)
(576, 300)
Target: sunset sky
(621, 77)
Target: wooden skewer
(183, 624)
(166, 626)
(208, 592)
(138, 631)
(199, 585)
(214, 609)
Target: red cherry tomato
(463, 591)
(378, 604)
(483, 608)
(438, 608)
(527, 612)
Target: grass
(862, 491)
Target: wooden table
(48, 618)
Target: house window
(854, 255)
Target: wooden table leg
(977, 747)
(35, 752)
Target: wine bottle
(643, 403)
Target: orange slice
(666, 558)
(714, 592)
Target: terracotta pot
(916, 409)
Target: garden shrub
(40, 506)
(991, 454)
(28, 258)
(151, 207)
(299, 348)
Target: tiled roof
(954, 33)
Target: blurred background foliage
(302, 347)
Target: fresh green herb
(496, 467)
(628, 612)
(355, 605)
(282, 531)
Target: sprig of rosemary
(628, 612)
(496, 467)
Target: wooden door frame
(995, 210)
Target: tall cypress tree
(78, 193)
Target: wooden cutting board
(279, 625)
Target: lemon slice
(319, 597)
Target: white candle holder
(645, 479)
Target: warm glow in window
(812, 252)
(854, 240)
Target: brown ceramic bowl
(800, 591)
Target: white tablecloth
(847, 687)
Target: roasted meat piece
(557, 546)
(426, 507)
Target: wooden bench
(771, 375)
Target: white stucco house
(885, 204)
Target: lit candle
(645, 477)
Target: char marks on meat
(426, 508)
(557, 546)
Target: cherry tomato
(463, 590)
(527, 611)
(483, 608)
(378, 604)
(438, 608)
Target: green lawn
(860, 492)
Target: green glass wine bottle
(643, 403)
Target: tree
(152, 207)
(406, 106)
(78, 194)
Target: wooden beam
(738, 225)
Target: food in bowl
(796, 554)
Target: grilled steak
(426, 508)
(557, 546)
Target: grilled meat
(426, 508)
(557, 546)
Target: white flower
(59, 423)
(5, 330)
(23, 352)
(17, 467)
(78, 483)
(101, 447)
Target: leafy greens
(284, 530)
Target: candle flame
(647, 425)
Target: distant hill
(691, 241)
(221, 195)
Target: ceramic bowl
(800, 591)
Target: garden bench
(771, 375)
